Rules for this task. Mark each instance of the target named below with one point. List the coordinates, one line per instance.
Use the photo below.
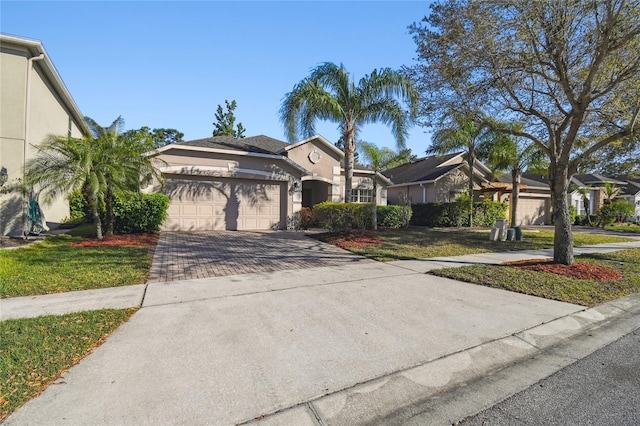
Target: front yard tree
(461, 134)
(516, 155)
(330, 93)
(225, 124)
(568, 70)
(63, 165)
(377, 159)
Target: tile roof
(260, 144)
(421, 169)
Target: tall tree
(462, 134)
(330, 93)
(124, 162)
(63, 165)
(379, 159)
(225, 122)
(568, 70)
(515, 155)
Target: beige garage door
(532, 211)
(223, 204)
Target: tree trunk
(374, 213)
(563, 237)
(96, 215)
(472, 161)
(109, 211)
(349, 135)
(516, 177)
(585, 204)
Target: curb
(448, 389)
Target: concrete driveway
(305, 344)
(195, 255)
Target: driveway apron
(193, 255)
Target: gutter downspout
(27, 117)
(424, 193)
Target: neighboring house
(34, 104)
(597, 194)
(254, 183)
(433, 179)
(534, 202)
(631, 194)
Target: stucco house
(534, 201)
(35, 103)
(433, 179)
(631, 194)
(255, 183)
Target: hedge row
(133, 212)
(456, 214)
(343, 217)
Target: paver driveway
(192, 255)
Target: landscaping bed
(591, 280)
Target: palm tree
(463, 134)
(378, 159)
(585, 191)
(63, 165)
(129, 166)
(516, 155)
(329, 93)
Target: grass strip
(36, 351)
(557, 287)
(418, 243)
(54, 266)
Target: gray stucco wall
(48, 115)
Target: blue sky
(169, 64)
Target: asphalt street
(601, 389)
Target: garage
(532, 210)
(200, 204)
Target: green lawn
(557, 287)
(36, 351)
(625, 227)
(54, 266)
(416, 243)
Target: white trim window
(361, 195)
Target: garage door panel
(224, 204)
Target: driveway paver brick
(195, 255)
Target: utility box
(501, 224)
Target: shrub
(573, 213)
(456, 214)
(343, 217)
(583, 220)
(78, 207)
(615, 211)
(487, 212)
(304, 219)
(136, 213)
(394, 216)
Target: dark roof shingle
(259, 144)
(421, 169)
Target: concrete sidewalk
(356, 343)
(174, 291)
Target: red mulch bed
(352, 240)
(578, 270)
(144, 240)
